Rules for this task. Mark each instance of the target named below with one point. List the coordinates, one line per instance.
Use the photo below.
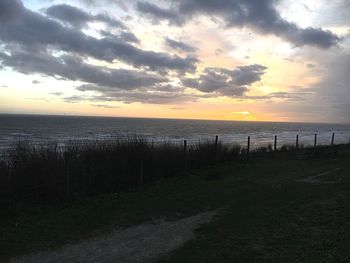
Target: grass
(36, 173)
(266, 214)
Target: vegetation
(37, 173)
(267, 213)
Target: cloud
(36, 82)
(74, 68)
(124, 36)
(123, 4)
(105, 106)
(10, 9)
(159, 13)
(260, 15)
(333, 90)
(148, 97)
(122, 85)
(180, 46)
(57, 93)
(286, 96)
(142, 95)
(129, 37)
(226, 82)
(73, 99)
(78, 17)
(34, 31)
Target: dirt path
(318, 178)
(141, 243)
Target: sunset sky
(261, 60)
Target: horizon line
(168, 118)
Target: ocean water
(61, 129)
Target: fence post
(275, 144)
(67, 175)
(332, 139)
(248, 146)
(216, 149)
(297, 142)
(185, 155)
(315, 141)
(141, 170)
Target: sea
(44, 129)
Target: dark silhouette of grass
(38, 173)
(32, 173)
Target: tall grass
(48, 173)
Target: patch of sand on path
(141, 243)
(317, 179)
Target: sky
(252, 60)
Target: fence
(251, 142)
(41, 172)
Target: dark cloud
(260, 15)
(127, 86)
(74, 68)
(147, 97)
(10, 9)
(73, 99)
(156, 95)
(123, 36)
(35, 82)
(179, 45)
(70, 14)
(160, 13)
(129, 37)
(78, 17)
(226, 82)
(37, 32)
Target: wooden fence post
(141, 171)
(332, 139)
(275, 144)
(248, 146)
(67, 175)
(216, 149)
(315, 141)
(185, 155)
(297, 142)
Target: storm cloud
(184, 51)
(74, 68)
(260, 15)
(157, 95)
(178, 45)
(226, 82)
(33, 30)
(78, 17)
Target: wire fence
(78, 168)
(254, 141)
